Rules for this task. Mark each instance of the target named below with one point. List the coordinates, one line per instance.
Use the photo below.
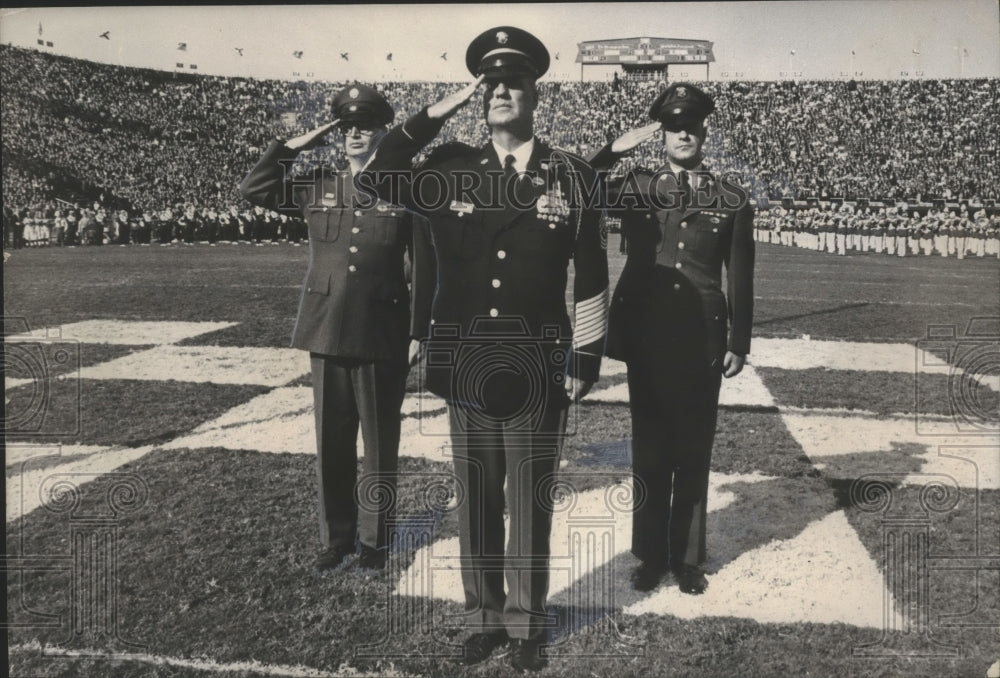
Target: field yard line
(803, 354)
(126, 332)
(24, 490)
(826, 300)
(343, 671)
(198, 364)
(17, 453)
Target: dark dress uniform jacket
(669, 308)
(668, 322)
(498, 263)
(355, 302)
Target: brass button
(496, 282)
(684, 224)
(494, 313)
(501, 254)
(680, 245)
(355, 230)
(353, 248)
(357, 213)
(677, 287)
(352, 268)
(552, 225)
(677, 265)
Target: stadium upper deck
(80, 130)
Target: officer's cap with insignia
(362, 104)
(681, 103)
(507, 50)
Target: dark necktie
(515, 185)
(508, 168)
(509, 186)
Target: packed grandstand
(95, 153)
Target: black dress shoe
(372, 559)
(331, 558)
(691, 580)
(527, 655)
(647, 576)
(479, 646)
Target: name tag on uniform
(461, 207)
(330, 199)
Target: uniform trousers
(673, 428)
(525, 454)
(346, 393)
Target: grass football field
(161, 485)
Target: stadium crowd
(82, 139)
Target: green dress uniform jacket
(355, 301)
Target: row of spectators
(143, 139)
(58, 225)
(958, 232)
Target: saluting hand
(451, 103)
(733, 364)
(577, 388)
(634, 137)
(312, 138)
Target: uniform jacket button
(677, 287)
(496, 282)
(353, 248)
(494, 313)
(352, 268)
(678, 265)
(680, 245)
(357, 213)
(684, 224)
(501, 254)
(355, 230)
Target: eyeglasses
(349, 130)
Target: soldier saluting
(353, 319)
(668, 322)
(505, 220)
